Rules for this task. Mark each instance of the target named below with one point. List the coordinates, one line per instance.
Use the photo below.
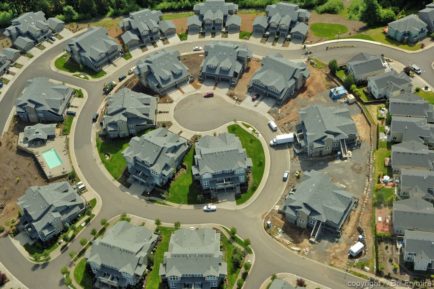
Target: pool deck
(60, 145)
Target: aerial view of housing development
(216, 144)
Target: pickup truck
(109, 87)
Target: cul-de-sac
(216, 144)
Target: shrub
(177, 225)
(432, 36)
(331, 6)
(2, 229)
(158, 222)
(247, 266)
(93, 232)
(240, 283)
(64, 270)
(349, 81)
(83, 241)
(233, 232)
(244, 275)
(300, 282)
(104, 222)
(3, 279)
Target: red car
(208, 94)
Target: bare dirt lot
(19, 171)
(180, 24)
(247, 18)
(111, 24)
(193, 63)
(240, 90)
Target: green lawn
(380, 169)
(182, 189)
(67, 123)
(170, 16)
(153, 278)
(228, 253)
(377, 34)
(245, 35)
(255, 151)
(328, 30)
(115, 163)
(384, 196)
(183, 36)
(92, 203)
(83, 275)
(127, 56)
(341, 74)
(64, 63)
(427, 95)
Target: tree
(387, 15)
(72, 254)
(300, 282)
(247, 266)
(233, 232)
(87, 7)
(64, 270)
(104, 222)
(158, 222)
(333, 66)
(3, 279)
(246, 243)
(240, 283)
(93, 232)
(432, 36)
(83, 241)
(372, 13)
(177, 225)
(69, 13)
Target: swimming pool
(52, 158)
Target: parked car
(122, 77)
(109, 87)
(197, 48)
(131, 71)
(272, 125)
(209, 208)
(71, 112)
(285, 176)
(95, 117)
(416, 69)
(1, 84)
(208, 94)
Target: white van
(272, 125)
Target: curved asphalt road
(271, 257)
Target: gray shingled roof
(410, 104)
(280, 284)
(129, 36)
(417, 182)
(301, 28)
(23, 42)
(158, 149)
(326, 122)
(233, 20)
(364, 63)
(419, 242)
(215, 154)
(261, 21)
(124, 248)
(194, 20)
(46, 205)
(428, 12)
(279, 74)
(412, 128)
(410, 23)
(44, 95)
(390, 79)
(129, 106)
(194, 252)
(31, 23)
(413, 214)
(39, 131)
(319, 198)
(412, 154)
(215, 9)
(10, 53)
(94, 44)
(283, 9)
(223, 58)
(162, 68)
(166, 25)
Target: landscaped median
(65, 63)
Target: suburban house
(389, 84)
(280, 284)
(154, 157)
(411, 105)
(221, 163)
(283, 19)
(194, 260)
(31, 28)
(279, 78)
(213, 16)
(427, 16)
(411, 128)
(47, 210)
(365, 65)
(418, 249)
(37, 135)
(409, 29)
(43, 101)
(318, 204)
(93, 49)
(324, 131)
(411, 155)
(7, 57)
(128, 113)
(413, 183)
(145, 27)
(162, 71)
(120, 258)
(412, 214)
(224, 62)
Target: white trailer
(356, 249)
(282, 139)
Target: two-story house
(414, 213)
(221, 164)
(46, 211)
(162, 71)
(389, 84)
(278, 78)
(128, 113)
(194, 260)
(418, 249)
(93, 49)
(43, 100)
(427, 16)
(409, 29)
(119, 259)
(213, 16)
(154, 158)
(363, 65)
